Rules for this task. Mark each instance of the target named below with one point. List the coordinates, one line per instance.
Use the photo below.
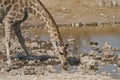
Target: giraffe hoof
(20, 56)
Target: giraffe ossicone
(15, 12)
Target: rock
(43, 44)
(92, 64)
(91, 24)
(115, 49)
(97, 57)
(107, 47)
(70, 40)
(114, 3)
(114, 70)
(50, 52)
(50, 69)
(49, 60)
(109, 74)
(15, 45)
(28, 70)
(31, 62)
(77, 25)
(118, 69)
(43, 51)
(84, 59)
(89, 62)
(118, 63)
(2, 70)
(94, 43)
(102, 64)
(64, 9)
(118, 56)
(8, 68)
(33, 39)
(108, 54)
(109, 57)
(100, 4)
(27, 35)
(73, 61)
(92, 53)
(34, 45)
(104, 73)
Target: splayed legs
(20, 38)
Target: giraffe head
(61, 53)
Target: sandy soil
(76, 11)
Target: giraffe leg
(20, 38)
(7, 41)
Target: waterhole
(80, 38)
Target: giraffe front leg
(20, 38)
(7, 41)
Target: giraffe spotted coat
(15, 12)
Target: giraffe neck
(52, 28)
(55, 36)
(49, 22)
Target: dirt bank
(74, 11)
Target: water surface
(81, 41)
(83, 36)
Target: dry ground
(71, 11)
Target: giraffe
(15, 12)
